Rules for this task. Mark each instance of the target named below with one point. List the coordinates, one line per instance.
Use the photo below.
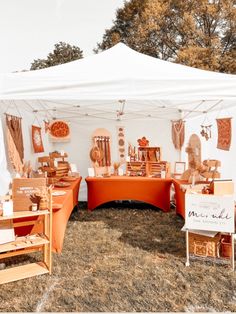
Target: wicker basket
(200, 245)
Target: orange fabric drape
(153, 191)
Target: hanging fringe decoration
(15, 142)
(224, 133)
(178, 133)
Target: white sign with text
(209, 212)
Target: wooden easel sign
(209, 213)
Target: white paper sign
(7, 208)
(91, 172)
(73, 168)
(120, 172)
(209, 212)
(7, 233)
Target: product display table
(60, 217)
(180, 189)
(153, 191)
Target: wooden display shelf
(23, 243)
(24, 214)
(29, 244)
(22, 272)
(148, 168)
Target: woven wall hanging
(121, 143)
(224, 133)
(37, 139)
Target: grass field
(127, 257)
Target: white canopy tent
(117, 86)
(96, 86)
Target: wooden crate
(204, 246)
(23, 188)
(136, 168)
(155, 168)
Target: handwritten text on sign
(209, 212)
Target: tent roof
(121, 73)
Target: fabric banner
(5, 177)
(15, 142)
(178, 133)
(224, 133)
(37, 139)
(59, 131)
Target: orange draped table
(179, 197)
(153, 191)
(59, 217)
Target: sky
(30, 28)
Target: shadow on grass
(142, 225)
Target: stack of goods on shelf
(147, 161)
(54, 166)
(62, 166)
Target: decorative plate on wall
(59, 131)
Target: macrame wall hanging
(15, 141)
(178, 133)
(37, 139)
(224, 133)
(121, 143)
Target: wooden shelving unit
(29, 244)
(148, 168)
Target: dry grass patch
(124, 259)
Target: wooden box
(222, 187)
(136, 168)
(204, 246)
(23, 188)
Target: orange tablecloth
(59, 218)
(154, 191)
(179, 197)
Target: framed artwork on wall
(179, 167)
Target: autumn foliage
(62, 53)
(197, 33)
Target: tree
(198, 33)
(62, 53)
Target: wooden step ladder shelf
(28, 244)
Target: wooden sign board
(23, 188)
(209, 212)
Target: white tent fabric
(119, 73)
(5, 177)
